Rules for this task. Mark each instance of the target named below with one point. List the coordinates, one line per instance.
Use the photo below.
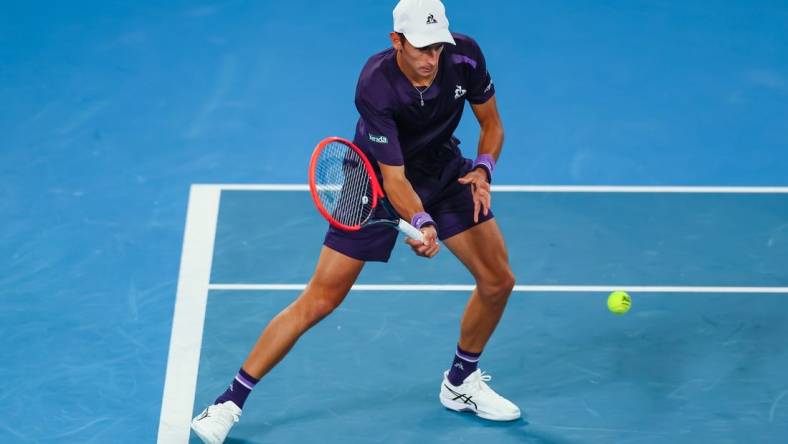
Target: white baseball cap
(423, 22)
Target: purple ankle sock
(464, 364)
(239, 389)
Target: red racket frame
(377, 191)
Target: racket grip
(410, 231)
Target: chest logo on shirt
(431, 19)
(459, 92)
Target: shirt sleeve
(481, 87)
(381, 138)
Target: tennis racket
(346, 190)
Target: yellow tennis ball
(619, 302)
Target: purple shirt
(395, 129)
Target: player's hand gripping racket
(346, 191)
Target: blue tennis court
(141, 256)
(699, 356)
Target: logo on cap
(431, 19)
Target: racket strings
(343, 184)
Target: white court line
(517, 288)
(187, 325)
(551, 189)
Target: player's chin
(426, 70)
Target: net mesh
(343, 184)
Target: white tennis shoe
(474, 395)
(215, 422)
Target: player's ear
(396, 42)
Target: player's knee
(507, 281)
(497, 288)
(322, 307)
(321, 302)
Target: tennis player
(410, 99)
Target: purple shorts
(448, 202)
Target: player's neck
(412, 76)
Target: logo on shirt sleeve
(489, 85)
(378, 139)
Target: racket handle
(410, 231)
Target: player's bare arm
(490, 144)
(407, 203)
(490, 126)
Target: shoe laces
(224, 413)
(481, 381)
(480, 386)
